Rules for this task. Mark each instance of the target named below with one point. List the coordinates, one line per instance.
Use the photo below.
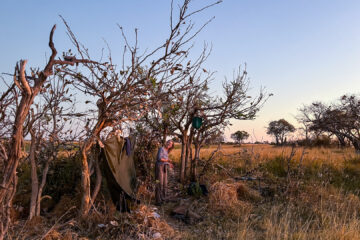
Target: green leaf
(153, 81)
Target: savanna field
(255, 192)
(136, 120)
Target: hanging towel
(128, 146)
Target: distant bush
(321, 141)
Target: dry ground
(255, 192)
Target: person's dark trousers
(161, 172)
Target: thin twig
(57, 221)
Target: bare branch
(23, 81)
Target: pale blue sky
(301, 51)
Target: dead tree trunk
(165, 134)
(86, 200)
(356, 143)
(41, 187)
(188, 156)
(9, 179)
(34, 176)
(195, 161)
(184, 141)
(98, 175)
(85, 179)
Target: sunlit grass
(261, 153)
(315, 193)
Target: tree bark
(341, 140)
(187, 156)
(85, 180)
(182, 158)
(86, 200)
(188, 153)
(41, 187)
(165, 133)
(356, 145)
(98, 178)
(34, 176)
(195, 162)
(9, 179)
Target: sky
(299, 50)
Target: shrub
(276, 166)
(63, 178)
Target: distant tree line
(322, 124)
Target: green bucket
(197, 122)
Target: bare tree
(340, 119)
(127, 93)
(49, 132)
(29, 87)
(186, 107)
(307, 113)
(215, 111)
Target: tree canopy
(240, 136)
(341, 119)
(279, 129)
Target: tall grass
(312, 195)
(316, 193)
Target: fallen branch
(209, 160)
(225, 170)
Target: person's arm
(168, 160)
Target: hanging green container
(197, 122)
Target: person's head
(169, 145)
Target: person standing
(161, 171)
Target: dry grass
(318, 200)
(224, 197)
(330, 216)
(262, 153)
(146, 224)
(315, 195)
(230, 197)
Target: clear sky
(300, 50)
